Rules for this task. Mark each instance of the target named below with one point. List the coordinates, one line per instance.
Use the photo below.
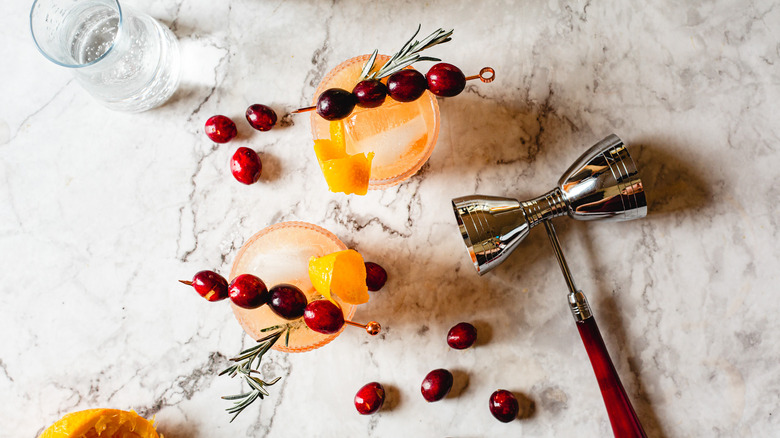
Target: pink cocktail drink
(401, 135)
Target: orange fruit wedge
(342, 273)
(349, 174)
(343, 172)
(95, 423)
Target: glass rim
(93, 62)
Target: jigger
(603, 184)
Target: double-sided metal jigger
(603, 184)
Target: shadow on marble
(393, 397)
(609, 309)
(672, 184)
(613, 323)
(460, 382)
(527, 405)
(505, 144)
(484, 332)
(272, 166)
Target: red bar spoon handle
(625, 423)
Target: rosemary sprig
(408, 55)
(243, 366)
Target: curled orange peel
(341, 273)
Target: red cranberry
(370, 93)
(406, 85)
(370, 398)
(246, 166)
(436, 385)
(445, 80)
(504, 406)
(287, 301)
(261, 117)
(220, 129)
(209, 285)
(462, 336)
(335, 104)
(248, 291)
(376, 276)
(323, 316)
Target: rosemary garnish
(243, 366)
(408, 55)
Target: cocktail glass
(401, 135)
(125, 59)
(280, 254)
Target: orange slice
(328, 150)
(348, 175)
(343, 173)
(94, 423)
(342, 273)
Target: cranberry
(246, 166)
(220, 129)
(335, 104)
(370, 93)
(462, 336)
(436, 385)
(248, 291)
(209, 285)
(370, 398)
(406, 85)
(504, 406)
(445, 80)
(287, 301)
(376, 276)
(261, 117)
(323, 316)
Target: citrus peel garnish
(343, 172)
(341, 273)
(93, 423)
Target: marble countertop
(102, 212)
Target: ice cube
(389, 131)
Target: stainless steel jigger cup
(603, 184)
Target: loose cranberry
(248, 291)
(209, 285)
(246, 166)
(445, 80)
(370, 398)
(504, 406)
(406, 85)
(376, 276)
(436, 385)
(370, 93)
(323, 316)
(462, 336)
(261, 117)
(287, 301)
(220, 129)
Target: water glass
(126, 60)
